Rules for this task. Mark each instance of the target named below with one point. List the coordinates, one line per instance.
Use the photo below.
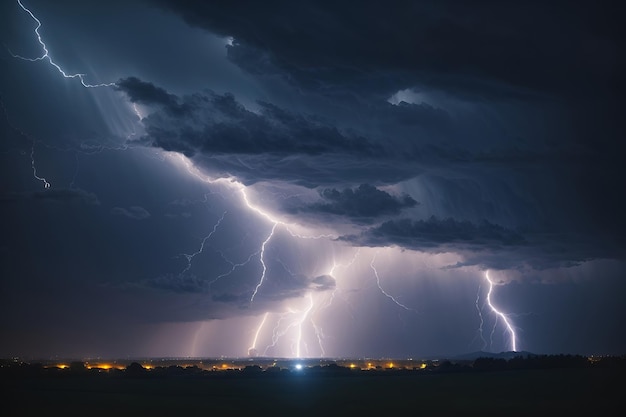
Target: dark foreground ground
(557, 392)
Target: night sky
(311, 178)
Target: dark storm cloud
(361, 204)
(60, 195)
(540, 186)
(539, 53)
(411, 114)
(490, 245)
(276, 287)
(538, 46)
(180, 283)
(214, 123)
(228, 298)
(220, 134)
(436, 233)
(133, 212)
(543, 252)
(145, 93)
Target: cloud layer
(372, 156)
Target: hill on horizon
(495, 355)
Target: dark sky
(311, 178)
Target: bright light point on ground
(298, 366)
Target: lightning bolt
(258, 331)
(262, 258)
(499, 314)
(32, 141)
(294, 319)
(234, 266)
(46, 184)
(84, 148)
(46, 54)
(482, 322)
(287, 226)
(277, 332)
(47, 57)
(316, 305)
(391, 297)
(137, 112)
(305, 313)
(241, 188)
(345, 266)
(190, 257)
(319, 333)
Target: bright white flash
(499, 314)
(46, 55)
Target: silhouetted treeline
(548, 362)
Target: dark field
(558, 392)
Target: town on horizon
(262, 363)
